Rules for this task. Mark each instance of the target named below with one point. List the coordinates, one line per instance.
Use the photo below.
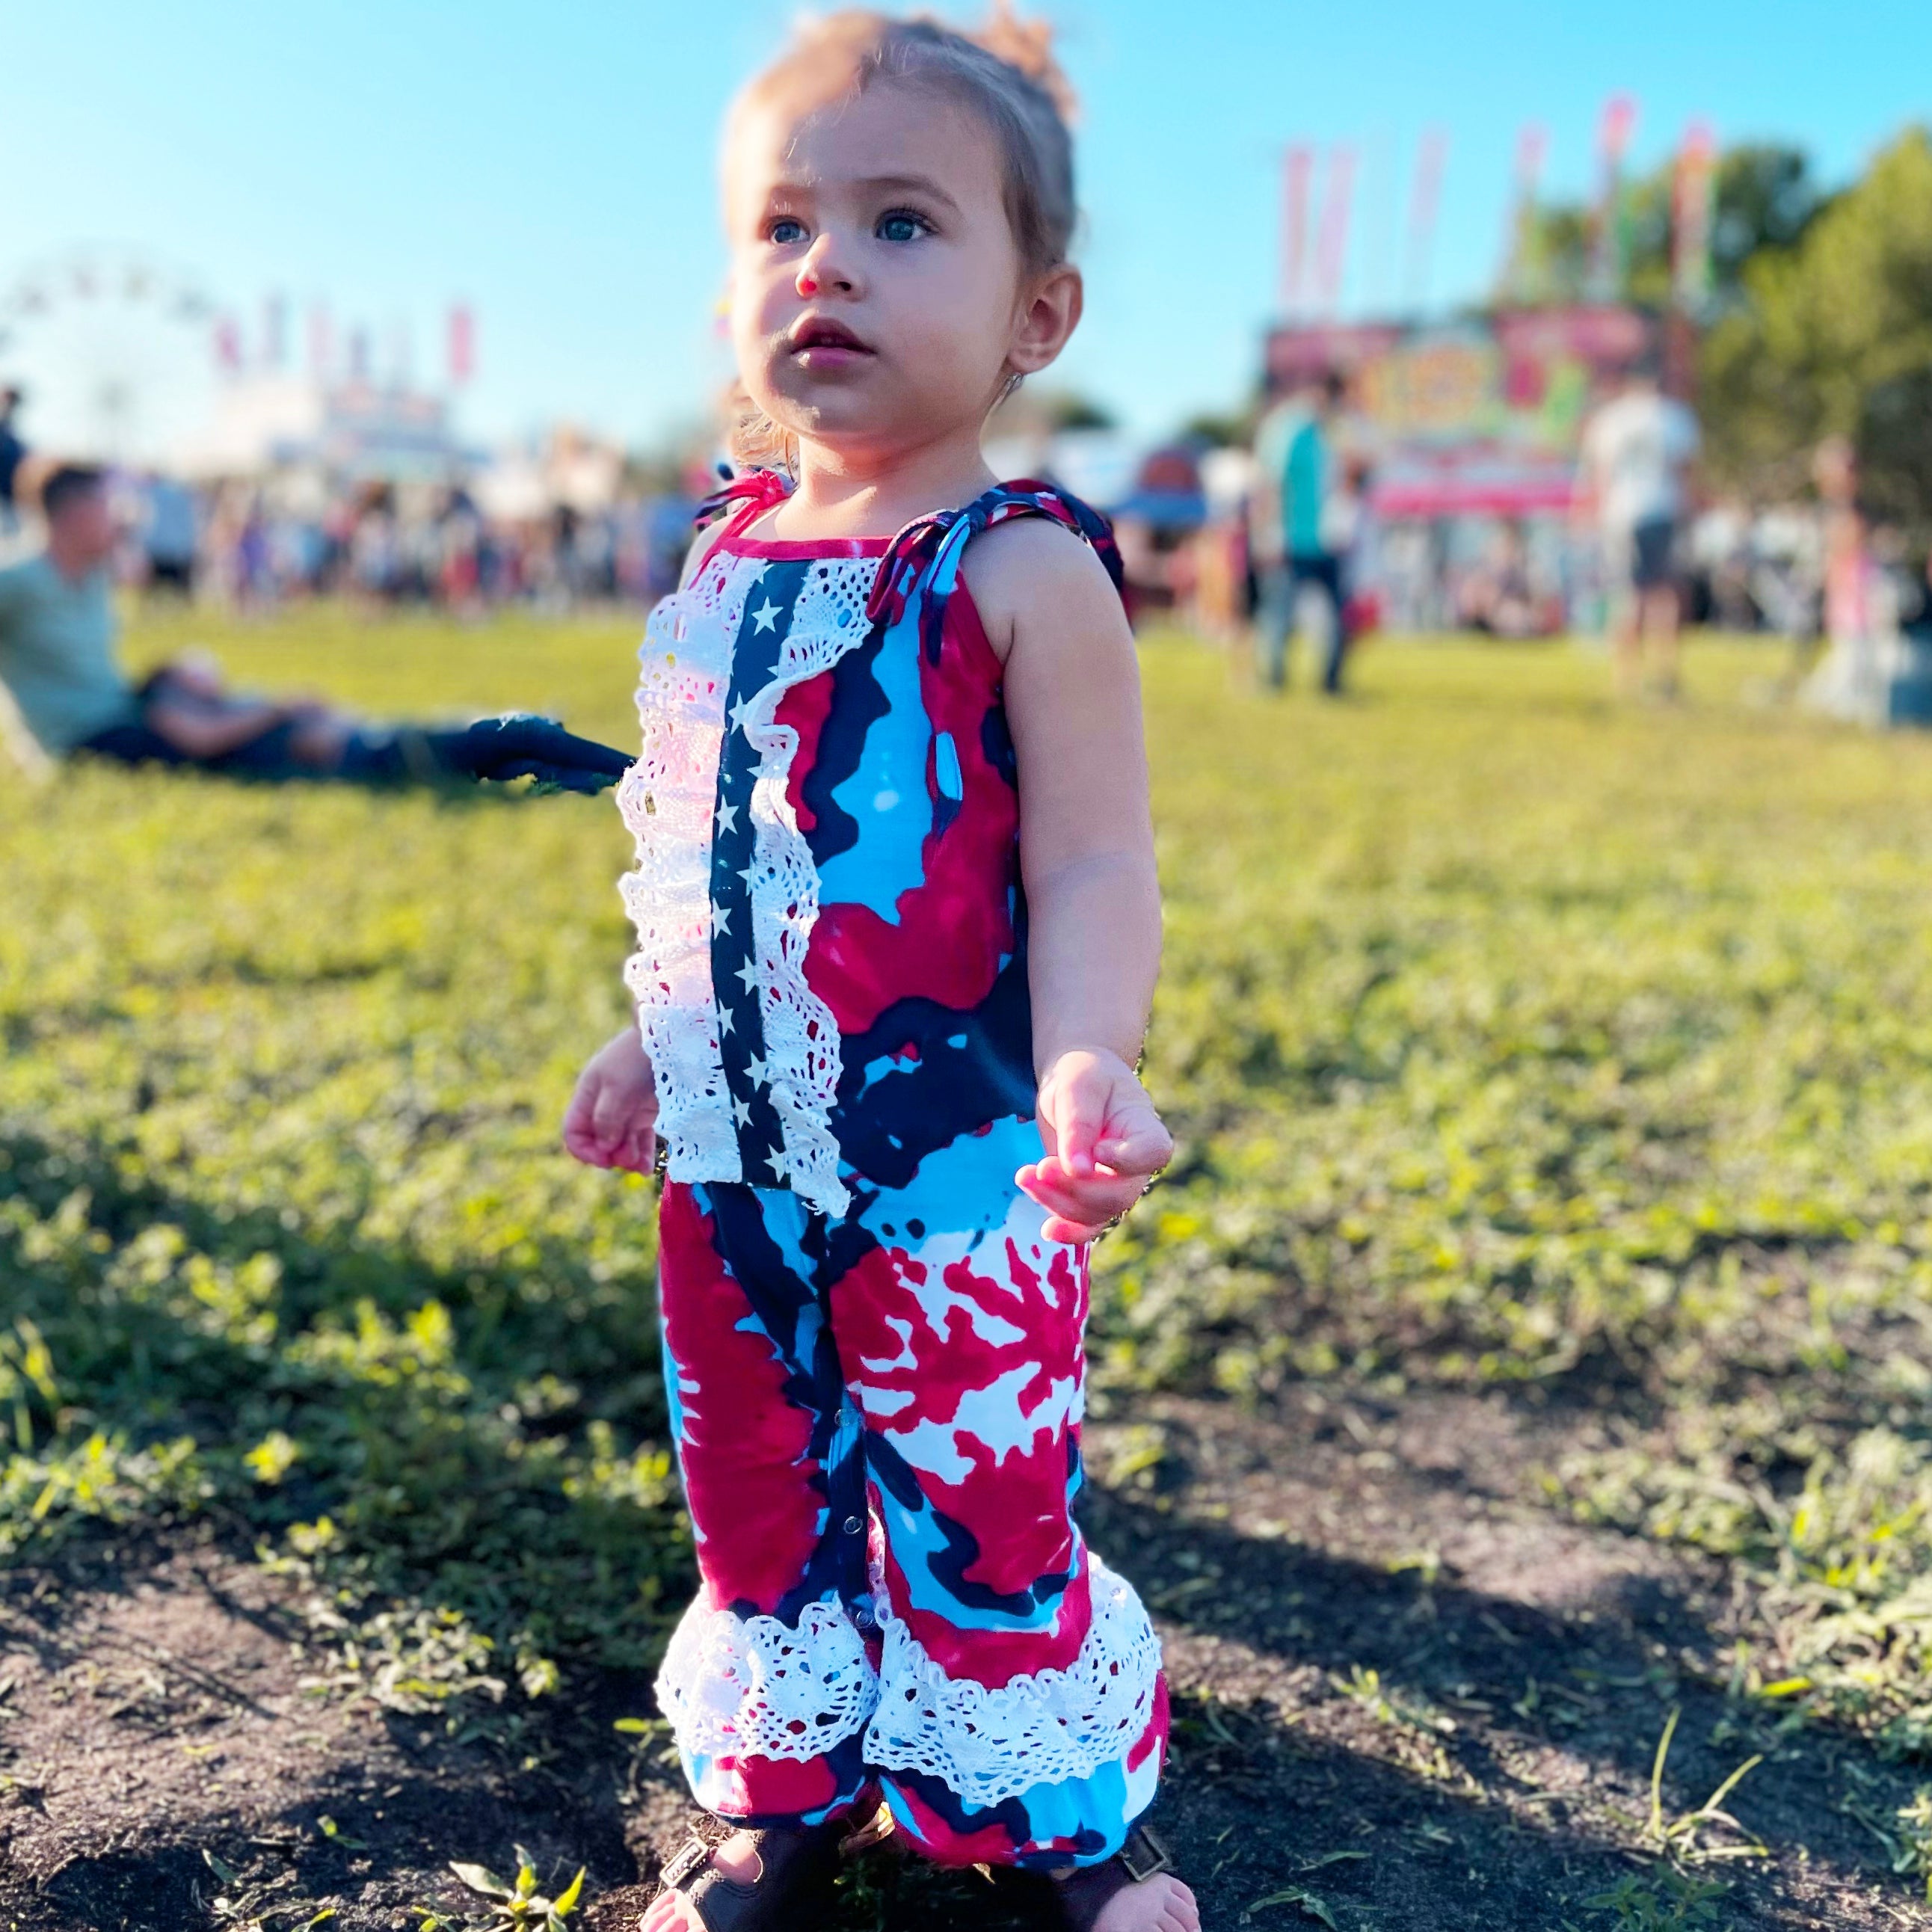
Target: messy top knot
(1005, 75)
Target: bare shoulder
(697, 552)
(1031, 573)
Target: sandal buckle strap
(1144, 1856)
(691, 1860)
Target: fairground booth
(1471, 430)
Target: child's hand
(1104, 1143)
(612, 1118)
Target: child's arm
(1072, 687)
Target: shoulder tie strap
(747, 497)
(929, 551)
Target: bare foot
(1159, 1904)
(737, 1860)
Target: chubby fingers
(610, 1125)
(1073, 1112)
(1079, 1207)
(579, 1134)
(1136, 1142)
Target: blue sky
(552, 163)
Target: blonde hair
(1003, 74)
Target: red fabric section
(771, 1787)
(956, 927)
(748, 1474)
(912, 1378)
(937, 1841)
(1154, 1738)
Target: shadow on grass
(451, 1484)
(488, 1439)
(1582, 1696)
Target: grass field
(1526, 1363)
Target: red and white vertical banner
(1331, 244)
(1694, 192)
(462, 344)
(227, 345)
(1425, 205)
(1608, 257)
(1297, 174)
(1519, 273)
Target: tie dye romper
(874, 1353)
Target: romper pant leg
(767, 1683)
(1021, 1714)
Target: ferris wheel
(114, 351)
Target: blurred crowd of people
(248, 547)
(1287, 539)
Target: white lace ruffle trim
(751, 1686)
(802, 1056)
(1046, 1728)
(667, 800)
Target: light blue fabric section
(887, 794)
(917, 1543)
(951, 781)
(963, 1188)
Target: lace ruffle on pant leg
(1046, 1728)
(738, 1687)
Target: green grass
(1511, 1039)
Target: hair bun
(1028, 47)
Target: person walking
(1635, 481)
(1302, 529)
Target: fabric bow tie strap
(929, 551)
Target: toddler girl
(898, 928)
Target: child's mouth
(816, 342)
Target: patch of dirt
(1401, 1688)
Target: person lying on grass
(59, 666)
(899, 926)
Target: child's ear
(1049, 313)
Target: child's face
(876, 296)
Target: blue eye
(901, 225)
(786, 232)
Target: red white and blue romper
(873, 1355)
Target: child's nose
(827, 269)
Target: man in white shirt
(1638, 451)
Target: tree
(1895, 444)
(1834, 335)
(1764, 197)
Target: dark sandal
(1084, 1894)
(794, 1866)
